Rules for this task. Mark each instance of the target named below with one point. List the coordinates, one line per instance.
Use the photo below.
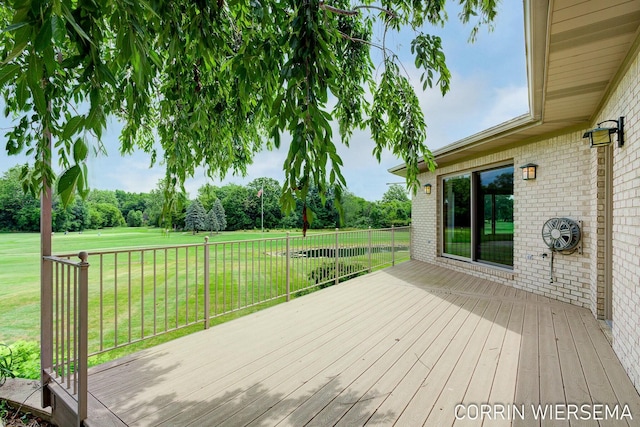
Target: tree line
(214, 208)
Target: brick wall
(623, 101)
(562, 189)
(570, 183)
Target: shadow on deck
(403, 346)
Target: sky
(488, 87)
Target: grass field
(20, 266)
(20, 280)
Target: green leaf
(17, 50)
(13, 27)
(58, 29)
(80, 150)
(22, 93)
(74, 24)
(39, 99)
(71, 127)
(43, 39)
(67, 184)
(7, 72)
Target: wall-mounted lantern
(601, 136)
(427, 189)
(529, 171)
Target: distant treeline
(242, 207)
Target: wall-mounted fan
(561, 234)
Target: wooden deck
(401, 346)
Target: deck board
(400, 346)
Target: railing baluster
(166, 290)
(246, 276)
(129, 292)
(224, 277)
(83, 354)
(142, 294)
(56, 317)
(101, 303)
(207, 290)
(68, 342)
(76, 330)
(155, 292)
(177, 304)
(115, 303)
(196, 285)
(288, 271)
(186, 286)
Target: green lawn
(20, 266)
(166, 302)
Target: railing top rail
(227, 242)
(66, 259)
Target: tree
(211, 78)
(18, 211)
(105, 215)
(234, 198)
(134, 218)
(196, 217)
(221, 216)
(395, 192)
(212, 221)
(207, 196)
(264, 193)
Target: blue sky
(489, 86)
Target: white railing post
(337, 254)
(207, 291)
(393, 246)
(83, 336)
(287, 267)
(370, 249)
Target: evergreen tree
(196, 217)
(221, 216)
(212, 221)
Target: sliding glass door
(477, 220)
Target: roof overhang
(575, 52)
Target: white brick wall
(560, 190)
(569, 184)
(626, 222)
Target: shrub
(20, 359)
(6, 363)
(327, 273)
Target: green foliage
(324, 275)
(196, 217)
(134, 218)
(220, 215)
(20, 359)
(212, 221)
(210, 80)
(6, 363)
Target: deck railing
(68, 351)
(137, 294)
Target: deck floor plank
(320, 360)
(482, 378)
(400, 346)
(427, 321)
(308, 412)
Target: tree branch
(355, 10)
(337, 11)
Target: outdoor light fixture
(427, 189)
(528, 171)
(602, 136)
